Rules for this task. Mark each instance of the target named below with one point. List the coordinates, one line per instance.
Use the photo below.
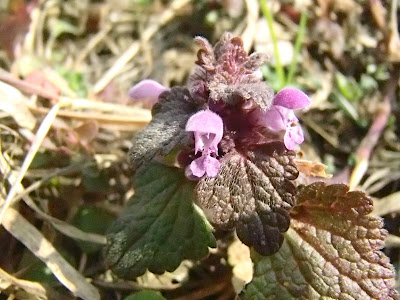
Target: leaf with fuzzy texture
(331, 251)
(167, 129)
(161, 228)
(253, 193)
(226, 72)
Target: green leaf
(331, 251)
(348, 87)
(91, 219)
(161, 228)
(145, 295)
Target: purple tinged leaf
(331, 251)
(252, 192)
(227, 73)
(292, 98)
(146, 89)
(167, 128)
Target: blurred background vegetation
(66, 122)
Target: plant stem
(268, 16)
(297, 46)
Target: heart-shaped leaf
(331, 251)
(161, 228)
(167, 128)
(253, 193)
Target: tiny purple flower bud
(207, 127)
(146, 89)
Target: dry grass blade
(387, 205)
(136, 121)
(33, 288)
(66, 228)
(13, 103)
(369, 142)
(105, 113)
(392, 241)
(61, 226)
(164, 18)
(249, 32)
(27, 234)
(40, 135)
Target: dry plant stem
(134, 121)
(29, 40)
(378, 13)
(40, 135)
(133, 117)
(33, 288)
(369, 142)
(25, 86)
(93, 42)
(392, 241)
(116, 69)
(66, 228)
(118, 285)
(318, 129)
(27, 234)
(249, 32)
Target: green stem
(268, 16)
(297, 47)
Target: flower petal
(297, 134)
(197, 167)
(205, 164)
(294, 135)
(146, 89)
(276, 118)
(208, 129)
(290, 144)
(212, 166)
(291, 98)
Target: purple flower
(207, 128)
(146, 89)
(281, 116)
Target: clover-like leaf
(167, 129)
(161, 228)
(331, 251)
(253, 193)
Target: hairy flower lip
(207, 127)
(291, 98)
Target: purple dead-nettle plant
(226, 143)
